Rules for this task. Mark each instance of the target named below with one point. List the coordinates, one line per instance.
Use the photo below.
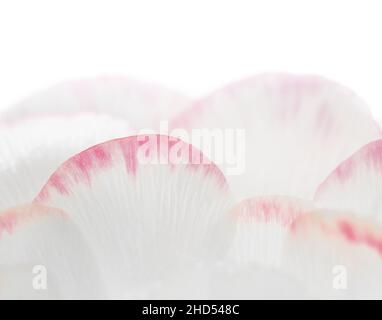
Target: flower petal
(356, 184)
(150, 206)
(43, 256)
(262, 224)
(141, 105)
(337, 256)
(32, 149)
(253, 267)
(297, 129)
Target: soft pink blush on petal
(32, 237)
(141, 105)
(253, 268)
(32, 149)
(297, 129)
(262, 223)
(337, 256)
(150, 211)
(356, 184)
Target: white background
(193, 46)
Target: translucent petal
(296, 130)
(44, 256)
(30, 150)
(336, 256)
(356, 184)
(152, 207)
(142, 105)
(262, 225)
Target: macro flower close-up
(190, 159)
(269, 188)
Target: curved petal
(297, 129)
(336, 255)
(43, 256)
(151, 206)
(32, 149)
(356, 184)
(142, 105)
(253, 266)
(262, 224)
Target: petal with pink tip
(356, 184)
(43, 256)
(141, 104)
(262, 224)
(337, 256)
(151, 207)
(253, 266)
(297, 129)
(30, 150)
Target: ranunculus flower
(108, 211)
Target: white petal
(142, 105)
(253, 268)
(297, 129)
(30, 150)
(43, 256)
(146, 220)
(262, 225)
(336, 256)
(356, 184)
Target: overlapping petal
(336, 256)
(356, 184)
(152, 207)
(140, 104)
(43, 255)
(153, 217)
(32, 149)
(262, 224)
(297, 129)
(253, 267)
